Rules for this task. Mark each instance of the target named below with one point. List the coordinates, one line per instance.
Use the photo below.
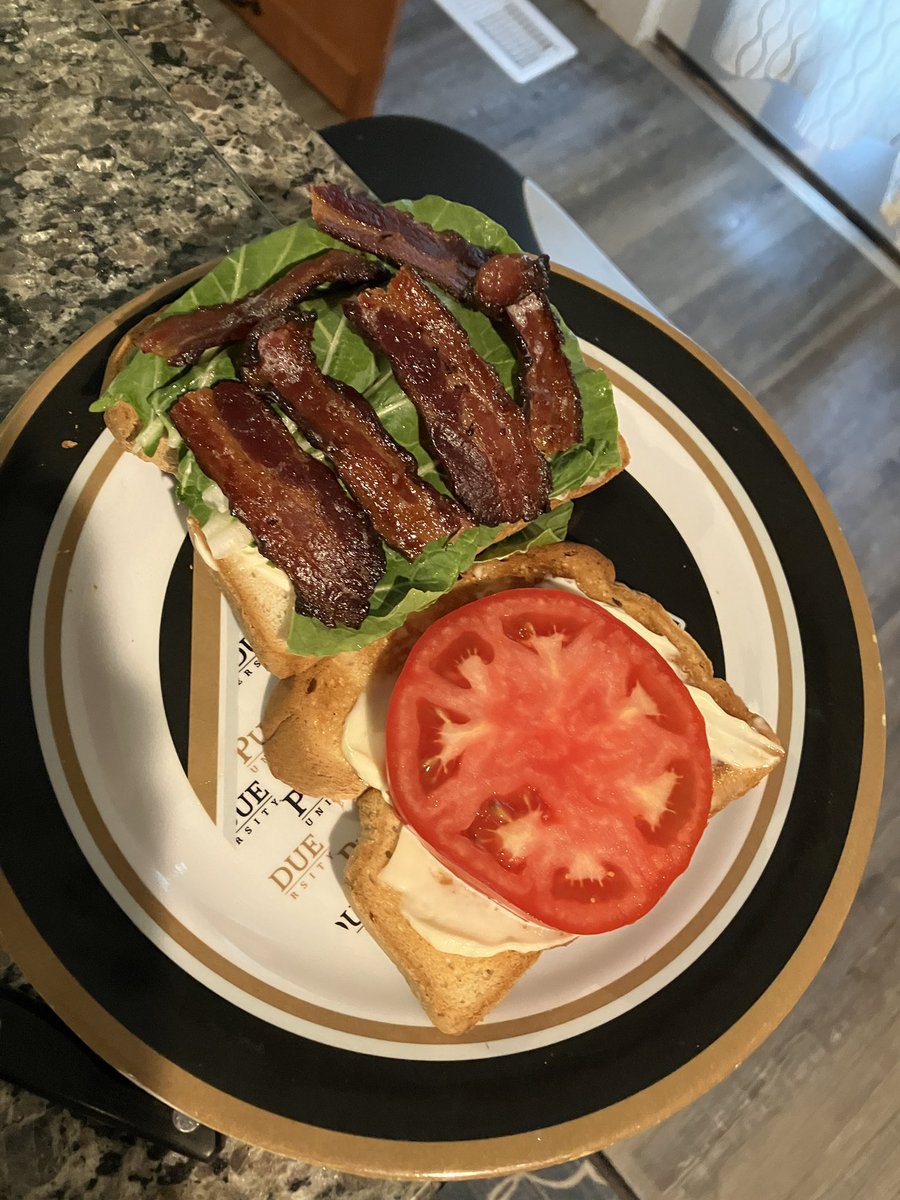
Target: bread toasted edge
(456, 991)
(121, 419)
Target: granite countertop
(135, 145)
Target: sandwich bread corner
(456, 991)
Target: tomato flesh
(550, 757)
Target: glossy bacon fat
(182, 338)
(507, 278)
(513, 288)
(300, 516)
(405, 510)
(477, 432)
(447, 259)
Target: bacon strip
(407, 512)
(302, 519)
(513, 288)
(182, 338)
(510, 288)
(507, 278)
(477, 432)
(447, 259)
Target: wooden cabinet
(339, 46)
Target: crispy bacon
(507, 278)
(510, 288)
(302, 519)
(405, 510)
(182, 338)
(447, 259)
(513, 288)
(477, 432)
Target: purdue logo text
(306, 860)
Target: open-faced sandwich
(534, 757)
(347, 437)
(378, 449)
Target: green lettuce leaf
(549, 528)
(600, 449)
(339, 350)
(248, 269)
(408, 587)
(151, 387)
(136, 383)
(474, 226)
(190, 484)
(255, 266)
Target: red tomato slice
(550, 757)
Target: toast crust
(125, 425)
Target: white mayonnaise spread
(225, 537)
(448, 913)
(731, 740)
(660, 644)
(364, 733)
(452, 916)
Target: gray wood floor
(731, 256)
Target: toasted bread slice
(456, 991)
(304, 722)
(261, 602)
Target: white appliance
(821, 76)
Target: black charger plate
(396, 1116)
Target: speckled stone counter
(133, 144)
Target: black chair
(406, 157)
(402, 157)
